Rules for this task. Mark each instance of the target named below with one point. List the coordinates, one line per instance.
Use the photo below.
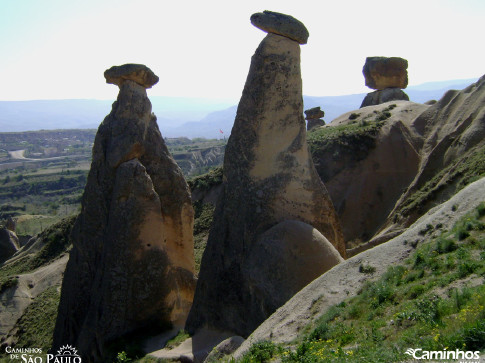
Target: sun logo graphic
(65, 354)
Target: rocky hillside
(405, 293)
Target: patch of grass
(202, 222)
(36, 326)
(181, 336)
(206, 181)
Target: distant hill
(179, 116)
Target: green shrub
(260, 352)
(381, 292)
(367, 269)
(445, 245)
(466, 268)
(428, 309)
(416, 291)
(320, 332)
(481, 210)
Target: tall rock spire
(132, 263)
(273, 203)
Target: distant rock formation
(388, 76)
(314, 117)
(270, 186)
(132, 264)
(9, 244)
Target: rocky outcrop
(9, 244)
(314, 118)
(132, 264)
(392, 162)
(386, 75)
(365, 172)
(281, 24)
(453, 132)
(269, 179)
(386, 95)
(345, 280)
(382, 72)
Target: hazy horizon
(57, 49)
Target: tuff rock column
(132, 264)
(314, 117)
(267, 239)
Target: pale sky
(59, 49)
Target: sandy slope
(344, 280)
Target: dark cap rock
(281, 24)
(138, 73)
(383, 72)
(314, 113)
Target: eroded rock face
(281, 24)
(269, 178)
(453, 130)
(9, 244)
(132, 263)
(383, 72)
(386, 95)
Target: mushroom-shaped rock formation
(138, 73)
(314, 117)
(281, 24)
(132, 262)
(386, 75)
(269, 180)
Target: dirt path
(17, 154)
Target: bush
(260, 352)
(320, 332)
(367, 269)
(481, 210)
(445, 245)
(415, 291)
